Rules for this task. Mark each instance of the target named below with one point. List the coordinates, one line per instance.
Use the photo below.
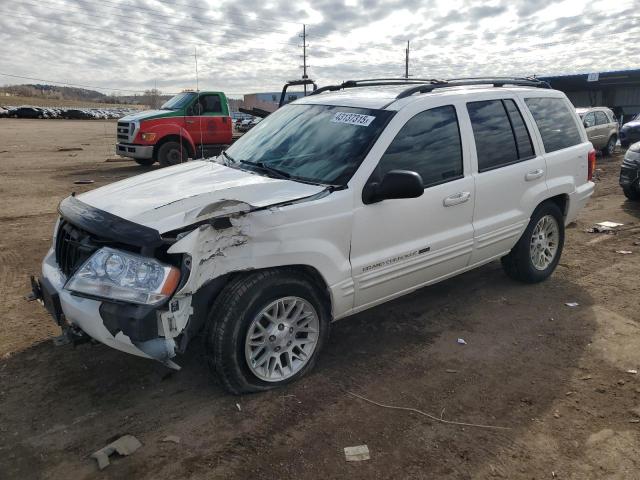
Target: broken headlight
(127, 277)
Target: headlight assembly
(127, 277)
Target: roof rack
(374, 82)
(425, 85)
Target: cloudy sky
(253, 45)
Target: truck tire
(537, 253)
(172, 153)
(265, 330)
(631, 193)
(145, 162)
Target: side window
(500, 133)
(555, 121)
(429, 144)
(589, 120)
(211, 104)
(601, 118)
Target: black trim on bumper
(108, 226)
(138, 322)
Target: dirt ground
(555, 376)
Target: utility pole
(406, 61)
(304, 56)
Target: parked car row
(247, 124)
(27, 111)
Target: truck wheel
(266, 330)
(172, 153)
(537, 253)
(610, 148)
(145, 162)
(631, 193)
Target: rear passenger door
(509, 177)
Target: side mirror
(395, 184)
(585, 124)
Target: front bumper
(134, 151)
(100, 320)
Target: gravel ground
(554, 376)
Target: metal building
(618, 90)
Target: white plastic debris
(125, 445)
(357, 453)
(461, 341)
(632, 372)
(238, 407)
(572, 304)
(624, 252)
(171, 439)
(609, 224)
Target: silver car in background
(602, 128)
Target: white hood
(170, 198)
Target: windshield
(179, 101)
(316, 143)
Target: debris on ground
(84, 182)
(171, 439)
(125, 445)
(624, 252)
(586, 377)
(572, 304)
(632, 371)
(238, 407)
(118, 159)
(605, 227)
(357, 453)
(461, 341)
(70, 149)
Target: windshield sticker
(353, 119)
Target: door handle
(456, 199)
(190, 121)
(534, 175)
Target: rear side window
(500, 133)
(589, 120)
(429, 144)
(601, 118)
(555, 122)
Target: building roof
(581, 81)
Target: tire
(631, 193)
(172, 153)
(145, 162)
(233, 322)
(610, 148)
(519, 263)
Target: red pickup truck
(190, 125)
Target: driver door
(399, 245)
(205, 121)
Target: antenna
(304, 56)
(406, 61)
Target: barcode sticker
(353, 119)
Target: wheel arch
(173, 137)
(562, 202)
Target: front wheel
(537, 253)
(172, 153)
(631, 193)
(266, 330)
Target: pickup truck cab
(340, 201)
(190, 125)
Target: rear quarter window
(555, 122)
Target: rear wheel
(610, 148)
(145, 162)
(265, 330)
(172, 153)
(537, 253)
(631, 193)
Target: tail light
(591, 164)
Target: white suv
(335, 203)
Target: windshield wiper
(228, 157)
(268, 169)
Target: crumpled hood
(146, 114)
(174, 197)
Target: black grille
(123, 131)
(73, 247)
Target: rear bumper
(577, 200)
(134, 151)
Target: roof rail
(374, 82)
(463, 82)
